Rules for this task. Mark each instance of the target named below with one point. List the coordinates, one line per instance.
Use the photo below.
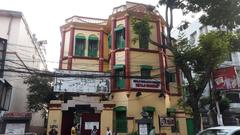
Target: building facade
(143, 77)
(20, 54)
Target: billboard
(82, 82)
(225, 78)
(146, 84)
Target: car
(221, 130)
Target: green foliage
(185, 105)
(204, 101)
(224, 104)
(40, 92)
(218, 13)
(142, 29)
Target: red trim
(62, 50)
(144, 50)
(101, 49)
(127, 53)
(161, 59)
(109, 105)
(113, 52)
(120, 18)
(88, 29)
(85, 57)
(70, 51)
(130, 118)
(136, 90)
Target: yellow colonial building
(138, 78)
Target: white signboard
(82, 82)
(89, 125)
(143, 129)
(15, 128)
(146, 84)
(167, 121)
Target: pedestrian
(53, 131)
(109, 132)
(94, 130)
(78, 129)
(152, 132)
(73, 130)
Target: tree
(40, 93)
(203, 59)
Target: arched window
(92, 46)
(80, 42)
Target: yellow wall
(55, 117)
(66, 43)
(120, 57)
(105, 47)
(86, 34)
(64, 64)
(106, 120)
(120, 22)
(142, 58)
(85, 64)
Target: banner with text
(146, 84)
(225, 78)
(82, 82)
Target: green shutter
(171, 110)
(79, 45)
(119, 73)
(92, 46)
(175, 128)
(148, 109)
(121, 119)
(80, 37)
(146, 67)
(109, 40)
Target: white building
(20, 51)
(193, 33)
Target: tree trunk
(196, 116)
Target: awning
(146, 67)
(119, 28)
(120, 109)
(171, 110)
(119, 66)
(80, 37)
(149, 109)
(92, 38)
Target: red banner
(225, 78)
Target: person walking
(53, 131)
(152, 132)
(94, 130)
(73, 130)
(109, 132)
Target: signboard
(143, 129)
(15, 128)
(225, 78)
(89, 125)
(166, 121)
(146, 84)
(82, 82)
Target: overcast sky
(45, 17)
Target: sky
(45, 17)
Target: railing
(81, 19)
